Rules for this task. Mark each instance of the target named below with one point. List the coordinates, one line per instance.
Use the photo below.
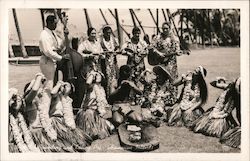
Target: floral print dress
(110, 67)
(136, 62)
(168, 45)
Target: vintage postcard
(125, 80)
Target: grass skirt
(188, 116)
(232, 137)
(44, 143)
(210, 127)
(73, 140)
(175, 116)
(92, 124)
(13, 148)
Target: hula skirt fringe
(13, 148)
(92, 124)
(71, 138)
(175, 118)
(232, 138)
(44, 143)
(210, 127)
(189, 117)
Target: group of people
(42, 119)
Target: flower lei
(46, 122)
(27, 136)
(218, 107)
(100, 99)
(68, 112)
(168, 45)
(109, 44)
(22, 147)
(186, 103)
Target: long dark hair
(232, 94)
(202, 86)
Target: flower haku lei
(22, 147)
(46, 122)
(26, 134)
(68, 112)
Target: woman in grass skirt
(91, 118)
(232, 137)
(217, 120)
(63, 117)
(45, 137)
(191, 100)
(20, 137)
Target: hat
(159, 70)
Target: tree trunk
(118, 28)
(25, 55)
(157, 20)
(43, 19)
(87, 18)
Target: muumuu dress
(110, 66)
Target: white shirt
(94, 47)
(49, 43)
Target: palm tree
(25, 55)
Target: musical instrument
(72, 68)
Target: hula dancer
(192, 98)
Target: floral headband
(202, 71)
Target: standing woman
(110, 67)
(192, 98)
(136, 50)
(165, 48)
(91, 50)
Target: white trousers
(48, 68)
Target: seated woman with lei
(20, 137)
(91, 118)
(158, 94)
(37, 115)
(192, 98)
(62, 107)
(218, 119)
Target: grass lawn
(218, 62)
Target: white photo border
(244, 60)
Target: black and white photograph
(84, 80)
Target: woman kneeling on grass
(233, 136)
(63, 117)
(217, 120)
(192, 98)
(159, 96)
(91, 118)
(20, 137)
